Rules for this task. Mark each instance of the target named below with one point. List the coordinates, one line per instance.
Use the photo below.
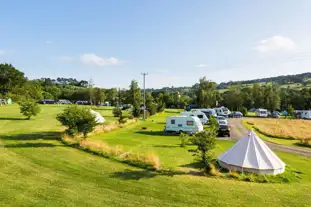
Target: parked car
(83, 103)
(222, 120)
(223, 130)
(236, 114)
(63, 101)
(275, 114)
(47, 101)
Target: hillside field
(38, 170)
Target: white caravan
(262, 112)
(187, 124)
(203, 118)
(207, 112)
(306, 114)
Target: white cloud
(93, 59)
(274, 44)
(48, 42)
(66, 59)
(202, 65)
(3, 52)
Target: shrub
(122, 120)
(78, 120)
(117, 112)
(130, 116)
(136, 110)
(184, 139)
(244, 111)
(29, 108)
(153, 109)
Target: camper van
(220, 112)
(203, 118)
(207, 112)
(262, 112)
(226, 111)
(187, 124)
(306, 114)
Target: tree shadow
(161, 122)
(11, 118)
(33, 136)
(167, 146)
(155, 133)
(30, 145)
(145, 174)
(196, 165)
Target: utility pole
(144, 75)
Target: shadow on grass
(33, 136)
(145, 174)
(155, 133)
(31, 145)
(196, 165)
(302, 145)
(167, 146)
(11, 118)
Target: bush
(184, 139)
(136, 110)
(29, 109)
(130, 116)
(153, 109)
(244, 111)
(117, 112)
(122, 120)
(78, 120)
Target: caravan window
(190, 123)
(200, 116)
(173, 121)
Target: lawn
(38, 170)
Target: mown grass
(38, 170)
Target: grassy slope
(38, 170)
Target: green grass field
(38, 170)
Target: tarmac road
(238, 131)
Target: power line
(144, 75)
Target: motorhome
(262, 112)
(186, 124)
(208, 112)
(219, 111)
(203, 118)
(306, 114)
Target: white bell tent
(251, 154)
(98, 117)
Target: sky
(176, 42)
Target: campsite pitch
(38, 170)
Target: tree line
(14, 84)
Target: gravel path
(238, 131)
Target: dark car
(275, 114)
(224, 130)
(46, 101)
(83, 103)
(236, 114)
(191, 106)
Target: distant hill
(293, 81)
(303, 78)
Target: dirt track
(238, 131)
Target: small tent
(98, 117)
(251, 154)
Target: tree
(10, 78)
(134, 98)
(290, 110)
(271, 97)
(78, 120)
(257, 95)
(29, 109)
(111, 95)
(205, 142)
(117, 112)
(150, 105)
(160, 103)
(99, 95)
(206, 93)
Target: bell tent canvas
(251, 154)
(98, 117)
